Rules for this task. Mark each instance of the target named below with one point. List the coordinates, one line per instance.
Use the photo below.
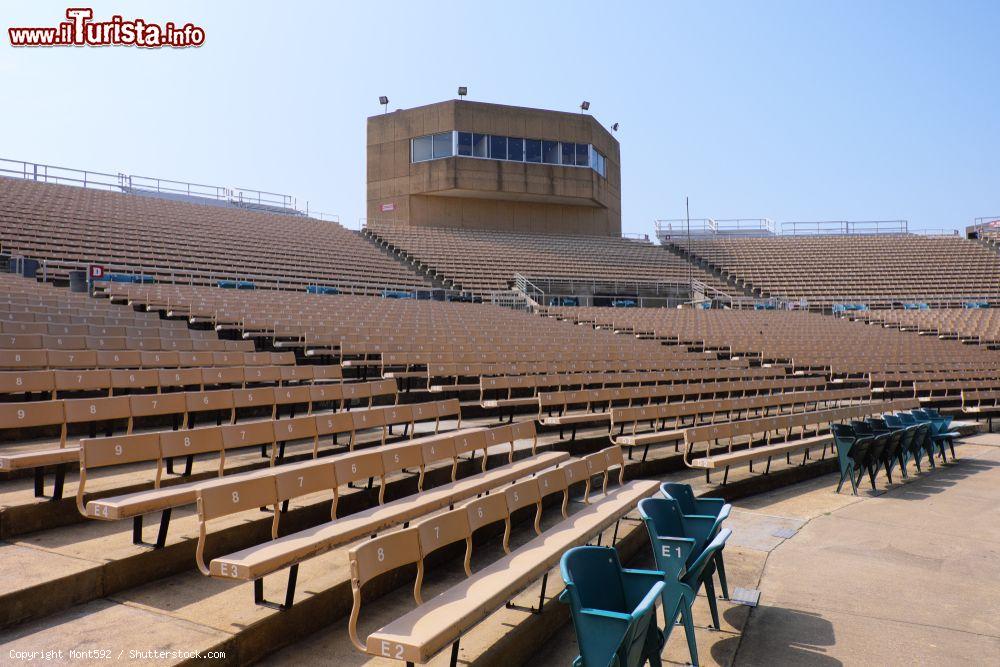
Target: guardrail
(840, 227)
(241, 197)
(48, 173)
(712, 227)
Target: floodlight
(463, 91)
(614, 128)
(585, 105)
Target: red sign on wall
(386, 208)
(96, 271)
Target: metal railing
(531, 292)
(248, 198)
(713, 227)
(681, 227)
(840, 227)
(48, 173)
(166, 186)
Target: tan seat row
(593, 400)
(217, 499)
(416, 636)
(110, 380)
(780, 436)
(668, 421)
(24, 360)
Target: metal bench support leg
(258, 591)
(161, 534)
(58, 482)
(532, 610)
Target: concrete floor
(903, 576)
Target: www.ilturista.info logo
(82, 30)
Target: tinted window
(567, 154)
(515, 149)
(532, 150)
(498, 148)
(422, 149)
(550, 152)
(442, 144)
(465, 143)
(480, 145)
(582, 157)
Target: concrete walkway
(903, 576)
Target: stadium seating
(481, 261)
(780, 436)
(685, 549)
(968, 325)
(868, 269)
(866, 446)
(346, 439)
(614, 609)
(68, 228)
(419, 634)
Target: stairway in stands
(705, 265)
(400, 256)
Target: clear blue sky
(799, 110)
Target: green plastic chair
(613, 609)
(852, 453)
(683, 552)
(690, 505)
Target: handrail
(837, 227)
(151, 185)
(46, 173)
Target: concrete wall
(492, 194)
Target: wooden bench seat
(440, 388)
(797, 432)
(249, 434)
(39, 458)
(743, 456)
(576, 418)
(420, 634)
(258, 561)
(509, 402)
(652, 437)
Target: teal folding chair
(690, 505)
(939, 425)
(852, 454)
(613, 609)
(683, 553)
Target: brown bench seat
(423, 632)
(746, 455)
(258, 561)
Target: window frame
(595, 160)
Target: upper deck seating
(863, 268)
(486, 260)
(69, 228)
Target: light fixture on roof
(384, 101)
(463, 91)
(585, 105)
(614, 128)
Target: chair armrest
(709, 505)
(608, 615)
(649, 601)
(637, 584)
